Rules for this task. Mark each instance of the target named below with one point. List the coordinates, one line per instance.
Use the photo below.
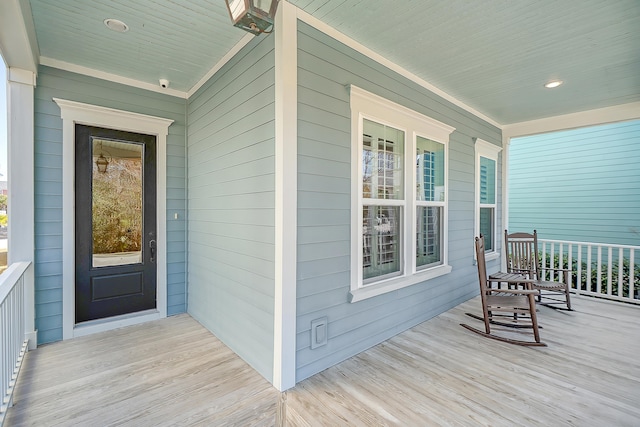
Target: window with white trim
(399, 208)
(486, 193)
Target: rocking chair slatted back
(522, 256)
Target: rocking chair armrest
(515, 291)
(565, 272)
(520, 271)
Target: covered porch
(174, 372)
(260, 210)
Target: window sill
(396, 283)
(491, 256)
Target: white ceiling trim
(342, 38)
(234, 50)
(67, 66)
(599, 116)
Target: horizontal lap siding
(325, 68)
(579, 185)
(48, 184)
(231, 181)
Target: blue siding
(579, 185)
(325, 68)
(48, 184)
(231, 157)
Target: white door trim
(75, 112)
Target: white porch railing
(13, 342)
(597, 269)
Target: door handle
(152, 248)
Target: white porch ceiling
(493, 55)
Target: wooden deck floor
(173, 372)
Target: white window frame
(491, 152)
(366, 105)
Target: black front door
(115, 222)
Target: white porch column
(21, 84)
(286, 205)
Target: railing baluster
(552, 262)
(570, 264)
(543, 261)
(560, 262)
(599, 271)
(620, 272)
(609, 262)
(632, 272)
(579, 284)
(590, 285)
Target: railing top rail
(10, 277)
(606, 245)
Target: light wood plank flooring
(163, 373)
(173, 372)
(439, 373)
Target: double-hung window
(399, 203)
(486, 197)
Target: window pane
(116, 203)
(382, 161)
(429, 170)
(381, 240)
(487, 181)
(429, 236)
(486, 227)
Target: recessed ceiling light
(116, 25)
(553, 83)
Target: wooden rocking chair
(521, 250)
(506, 307)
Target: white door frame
(73, 113)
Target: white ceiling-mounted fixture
(553, 84)
(116, 25)
(254, 16)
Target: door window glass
(116, 202)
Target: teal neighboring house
(578, 185)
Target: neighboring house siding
(580, 185)
(48, 184)
(231, 157)
(325, 68)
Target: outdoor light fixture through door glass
(102, 162)
(254, 16)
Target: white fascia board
(67, 66)
(599, 116)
